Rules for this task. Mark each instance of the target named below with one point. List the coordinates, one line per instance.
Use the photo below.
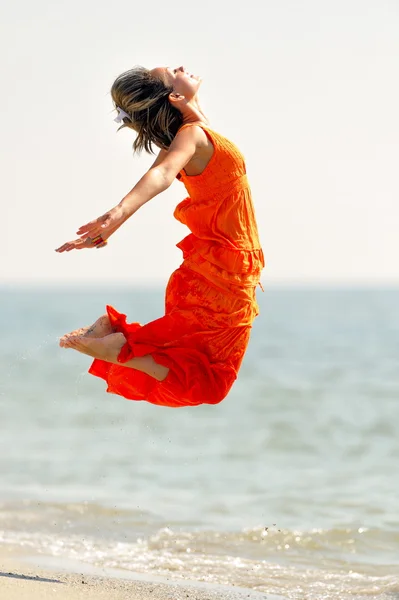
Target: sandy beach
(24, 578)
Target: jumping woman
(193, 353)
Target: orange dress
(210, 299)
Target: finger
(95, 226)
(86, 229)
(88, 226)
(68, 246)
(88, 242)
(62, 248)
(92, 232)
(84, 242)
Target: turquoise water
(290, 486)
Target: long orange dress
(210, 299)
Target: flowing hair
(145, 98)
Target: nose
(182, 69)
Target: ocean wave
(316, 564)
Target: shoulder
(192, 132)
(190, 141)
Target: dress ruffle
(240, 267)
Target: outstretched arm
(157, 179)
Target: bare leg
(100, 328)
(107, 348)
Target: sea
(289, 487)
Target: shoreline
(38, 577)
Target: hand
(78, 244)
(105, 225)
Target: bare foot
(106, 348)
(99, 329)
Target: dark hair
(145, 98)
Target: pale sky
(308, 89)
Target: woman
(193, 353)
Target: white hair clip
(121, 115)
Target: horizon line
(160, 284)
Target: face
(183, 82)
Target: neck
(192, 113)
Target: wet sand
(25, 578)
